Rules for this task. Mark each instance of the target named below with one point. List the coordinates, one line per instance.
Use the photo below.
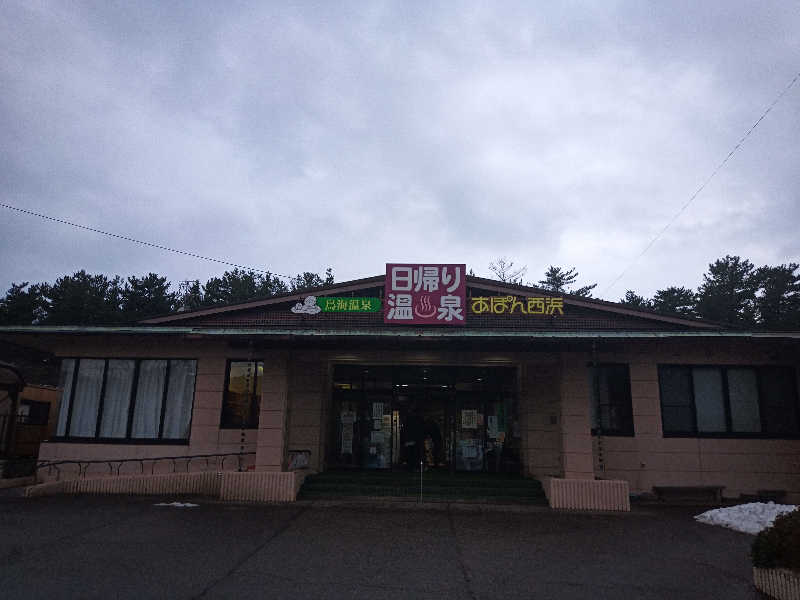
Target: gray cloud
(297, 137)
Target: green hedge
(779, 546)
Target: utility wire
(143, 243)
(683, 208)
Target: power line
(143, 243)
(683, 208)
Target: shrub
(779, 546)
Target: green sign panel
(347, 304)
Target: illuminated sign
(425, 294)
(498, 305)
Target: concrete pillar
(272, 419)
(576, 434)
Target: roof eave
(399, 332)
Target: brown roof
(579, 314)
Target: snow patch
(747, 518)
(177, 504)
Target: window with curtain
(149, 397)
(86, 398)
(729, 401)
(65, 383)
(117, 398)
(126, 399)
(612, 412)
(677, 407)
(708, 399)
(242, 401)
(180, 392)
(743, 396)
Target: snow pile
(747, 518)
(177, 504)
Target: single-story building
(427, 364)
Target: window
(126, 399)
(31, 412)
(709, 401)
(779, 400)
(612, 413)
(242, 401)
(728, 401)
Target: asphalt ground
(125, 547)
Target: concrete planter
(781, 584)
(587, 494)
(263, 486)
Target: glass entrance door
(375, 430)
(470, 430)
(449, 418)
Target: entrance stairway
(436, 487)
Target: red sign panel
(425, 294)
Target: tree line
(734, 292)
(87, 299)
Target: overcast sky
(299, 137)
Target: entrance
(447, 418)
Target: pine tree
(679, 301)
(83, 299)
(146, 296)
(778, 303)
(728, 292)
(558, 281)
(634, 300)
(22, 305)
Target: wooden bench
(689, 493)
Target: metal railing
(180, 464)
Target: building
(474, 374)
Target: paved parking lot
(114, 547)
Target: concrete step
(462, 486)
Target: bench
(689, 493)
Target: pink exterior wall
(576, 439)
(540, 418)
(272, 439)
(743, 466)
(309, 395)
(554, 410)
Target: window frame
(595, 394)
(159, 441)
(729, 433)
(225, 391)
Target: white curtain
(180, 393)
(65, 383)
(117, 399)
(86, 399)
(149, 393)
(708, 399)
